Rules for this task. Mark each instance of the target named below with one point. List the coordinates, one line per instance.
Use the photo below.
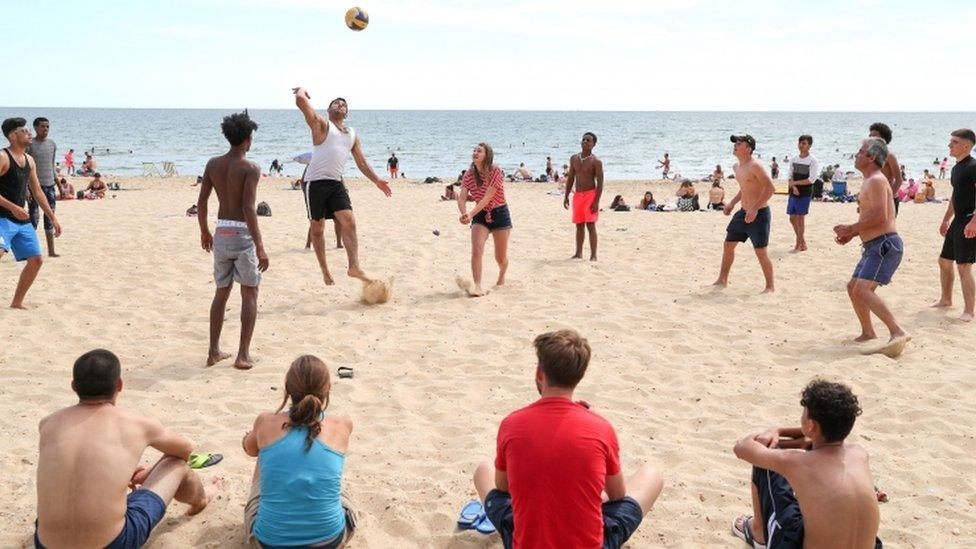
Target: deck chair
(169, 169)
(149, 169)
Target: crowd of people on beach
(561, 487)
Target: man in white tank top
(326, 196)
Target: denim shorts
(880, 258)
(501, 219)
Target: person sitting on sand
(810, 488)
(930, 190)
(882, 248)
(838, 181)
(89, 458)
(618, 204)
(647, 203)
(686, 197)
(522, 173)
(716, 196)
(547, 484)
(89, 165)
(66, 191)
(296, 497)
(449, 193)
(96, 188)
(907, 192)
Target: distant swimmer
(883, 248)
(326, 195)
(959, 226)
(891, 169)
(753, 220)
(586, 172)
(238, 249)
(665, 165)
(484, 182)
(803, 171)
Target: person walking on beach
(891, 169)
(586, 172)
(69, 162)
(774, 169)
(882, 248)
(943, 166)
(665, 165)
(549, 167)
(393, 165)
(237, 247)
(959, 226)
(44, 151)
(89, 458)
(753, 220)
(485, 183)
(18, 178)
(326, 195)
(804, 170)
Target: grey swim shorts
(235, 257)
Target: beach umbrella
(303, 158)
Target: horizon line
(517, 110)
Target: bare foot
(865, 337)
(327, 277)
(892, 349)
(940, 304)
(592, 258)
(577, 256)
(18, 306)
(53, 255)
(469, 287)
(767, 291)
(720, 284)
(210, 489)
(501, 281)
(356, 272)
(966, 317)
(244, 363)
(215, 357)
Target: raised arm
(367, 170)
(318, 125)
(206, 239)
(248, 205)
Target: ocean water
(439, 142)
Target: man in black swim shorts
(959, 226)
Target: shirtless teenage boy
(883, 248)
(809, 488)
(891, 168)
(89, 459)
(586, 172)
(237, 247)
(753, 220)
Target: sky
(645, 55)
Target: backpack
(264, 210)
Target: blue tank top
(300, 492)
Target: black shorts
(325, 197)
(757, 231)
(620, 518)
(956, 247)
(501, 219)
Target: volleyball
(376, 291)
(357, 19)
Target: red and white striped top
(492, 179)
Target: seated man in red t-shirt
(557, 467)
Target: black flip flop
(345, 372)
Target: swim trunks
(20, 238)
(235, 256)
(620, 518)
(143, 511)
(798, 205)
(757, 231)
(582, 204)
(956, 247)
(501, 219)
(880, 258)
(325, 197)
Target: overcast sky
(864, 55)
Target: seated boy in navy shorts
(810, 488)
(550, 481)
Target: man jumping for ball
(326, 196)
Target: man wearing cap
(753, 219)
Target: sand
(680, 370)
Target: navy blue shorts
(798, 205)
(51, 193)
(144, 510)
(757, 231)
(620, 518)
(501, 219)
(880, 258)
(781, 518)
(19, 237)
(956, 247)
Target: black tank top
(13, 186)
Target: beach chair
(149, 169)
(169, 169)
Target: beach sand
(680, 370)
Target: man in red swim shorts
(586, 171)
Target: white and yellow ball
(357, 19)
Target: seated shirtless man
(89, 459)
(809, 488)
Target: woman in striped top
(485, 183)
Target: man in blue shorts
(803, 171)
(18, 175)
(753, 220)
(882, 248)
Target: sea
(439, 143)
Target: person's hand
(751, 215)
(244, 438)
(796, 190)
(594, 208)
(969, 231)
(382, 185)
(20, 213)
(566, 203)
(263, 262)
(138, 477)
(769, 438)
(206, 241)
(57, 227)
(465, 218)
(727, 210)
(844, 234)
(300, 91)
(944, 228)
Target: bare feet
(720, 284)
(53, 255)
(892, 349)
(592, 258)
(244, 363)
(501, 280)
(941, 304)
(577, 256)
(18, 306)
(356, 272)
(210, 489)
(215, 357)
(469, 287)
(966, 317)
(767, 290)
(327, 277)
(865, 337)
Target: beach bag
(264, 210)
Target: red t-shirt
(494, 179)
(557, 455)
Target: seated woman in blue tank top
(296, 494)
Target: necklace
(582, 158)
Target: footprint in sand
(892, 349)
(469, 287)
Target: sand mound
(376, 291)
